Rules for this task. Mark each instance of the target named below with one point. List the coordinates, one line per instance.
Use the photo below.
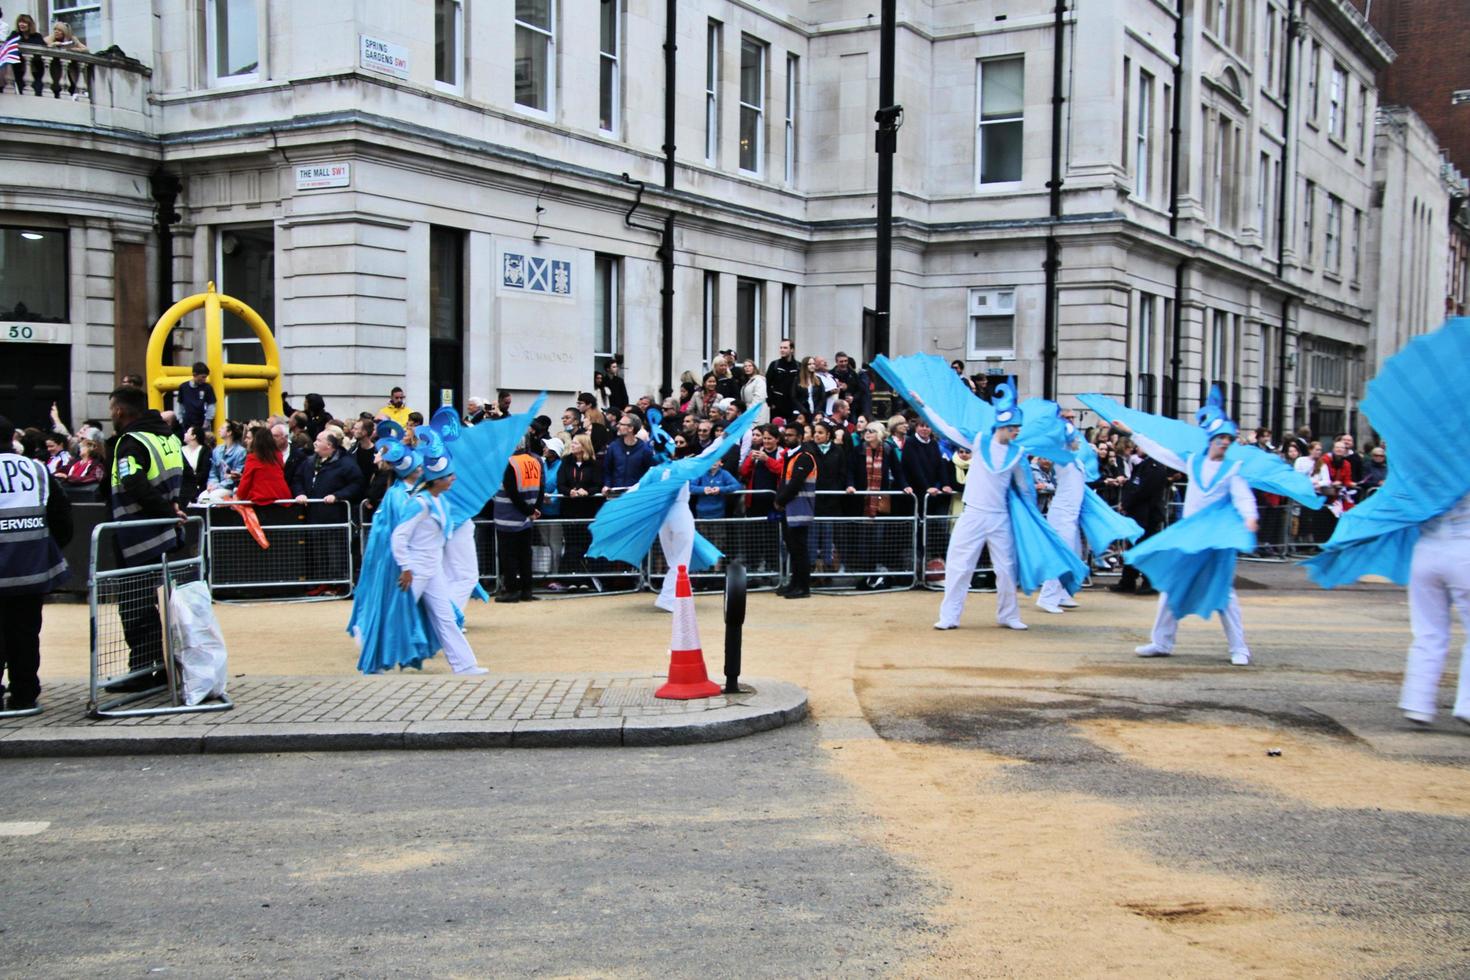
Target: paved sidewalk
(408, 711)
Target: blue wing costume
(1041, 554)
(625, 527)
(1193, 561)
(1411, 405)
(390, 627)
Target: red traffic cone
(688, 678)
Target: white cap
(555, 445)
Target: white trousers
(1052, 591)
(1439, 581)
(974, 530)
(462, 564)
(676, 538)
(440, 606)
(1166, 625)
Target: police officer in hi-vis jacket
(147, 470)
(35, 523)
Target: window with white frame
(1314, 75)
(535, 22)
(1362, 120)
(1224, 166)
(992, 326)
(1218, 327)
(788, 312)
(1332, 235)
(712, 92)
(752, 105)
(793, 69)
(1001, 83)
(1357, 245)
(1263, 199)
(1143, 135)
(607, 339)
(232, 40)
(1309, 231)
(1337, 93)
(449, 43)
(1272, 42)
(1146, 385)
(609, 80)
(711, 316)
(1127, 103)
(750, 295)
(84, 17)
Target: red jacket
(262, 483)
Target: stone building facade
(462, 196)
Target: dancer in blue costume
(391, 628)
(658, 506)
(1000, 500)
(1416, 529)
(1193, 562)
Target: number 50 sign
(28, 332)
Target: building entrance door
(32, 377)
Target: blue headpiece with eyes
(446, 423)
(388, 429)
(1212, 417)
(1004, 403)
(437, 467)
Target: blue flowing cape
(391, 629)
(1041, 554)
(1193, 561)
(1411, 405)
(1101, 525)
(480, 455)
(1262, 470)
(1043, 432)
(625, 527)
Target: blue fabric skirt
(1041, 554)
(1193, 561)
(391, 629)
(1101, 525)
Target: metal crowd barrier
(865, 554)
(310, 549)
(130, 637)
(935, 534)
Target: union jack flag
(10, 51)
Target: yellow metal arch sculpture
(223, 378)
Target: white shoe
(1048, 607)
(1068, 603)
(1152, 650)
(1015, 624)
(1240, 658)
(951, 626)
(1421, 717)
(468, 671)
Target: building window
(246, 269)
(998, 133)
(788, 312)
(749, 298)
(83, 16)
(712, 92)
(793, 66)
(1309, 207)
(992, 330)
(1166, 162)
(535, 42)
(1223, 169)
(1314, 75)
(1271, 45)
(1221, 24)
(33, 275)
(1146, 385)
(1362, 120)
(607, 339)
(1263, 199)
(1218, 328)
(609, 85)
(446, 316)
(752, 105)
(232, 36)
(1143, 135)
(1337, 103)
(1126, 103)
(711, 316)
(1332, 235)
(448, 42)
(1356, 246)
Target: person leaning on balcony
(62, 37)
(25, 31)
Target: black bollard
(734, 623)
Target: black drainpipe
(1278, 420)
(165, 188)
(1171, 393)
(666, 246)
(1053, 259)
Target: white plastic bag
(199, 647)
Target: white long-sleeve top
(1066, 500)
(999, 467)
(1453, 523)
(1207, 482)
(418, 543)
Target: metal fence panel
(936, 532)
(310, 548)
(853, 552)
(559, 562)
(129, 620)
